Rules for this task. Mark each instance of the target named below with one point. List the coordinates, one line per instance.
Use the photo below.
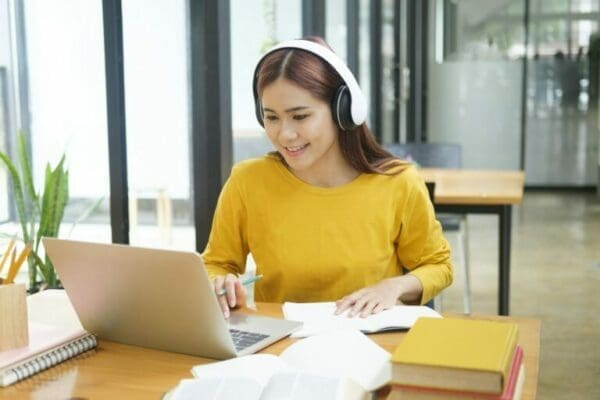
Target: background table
(462, 191)
(116, 370)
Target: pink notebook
(55, 335)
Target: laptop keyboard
(244, 339)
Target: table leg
(504, 260)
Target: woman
(329, 215)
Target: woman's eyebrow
(293, 109)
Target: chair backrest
(431, 190)
(432, 155)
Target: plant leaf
(62, 196)
(39, 263)
(47, 207)
(26, 171)
(54, 201)
(18, 192)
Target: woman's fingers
(219, 284)
(347, 302)
(363, 302)
(360, 304)
(230, 281)
(369, 308)
(240, 293)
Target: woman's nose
(288, 130)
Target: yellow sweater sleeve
(422, 248)
(227, 246)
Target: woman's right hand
(230, 292)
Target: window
(67, 100)
(158, 124)
(335, 26)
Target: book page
(343, 354)
(401, 317)
(217, 388)
(297, 385)
(320, 317)
(259, 367)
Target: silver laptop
(161, 299)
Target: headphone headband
(358, 103)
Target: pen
(245, 282)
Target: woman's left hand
(372, 299)
(406, 289)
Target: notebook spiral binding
(48, 360)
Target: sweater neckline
(294, 180)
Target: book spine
(47, 360)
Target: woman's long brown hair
(308, 71)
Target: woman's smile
(295, 151)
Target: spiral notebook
(55, 335)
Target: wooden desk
(120, 371)
(461, 191)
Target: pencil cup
(14, 330)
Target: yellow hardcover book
(456, 354)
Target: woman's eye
(300, 117)
(271, 118)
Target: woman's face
(301, 127)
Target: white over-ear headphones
(348, 105)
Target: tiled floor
(555, 277)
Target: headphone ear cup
(259, 112)
(340, 108)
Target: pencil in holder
(14, 328)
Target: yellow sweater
(320, 244)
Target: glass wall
(5, 115)
(364, 53)
(272, 22)
(158, 123)
(336, 27)
(4, 132)
(562, 93)
(62, 51)
(67, 104)
(475, 79)
(388, 83)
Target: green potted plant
(39, 213)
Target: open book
(55, 335)
(336, 365)
(320, 317)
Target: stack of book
(454, 358)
